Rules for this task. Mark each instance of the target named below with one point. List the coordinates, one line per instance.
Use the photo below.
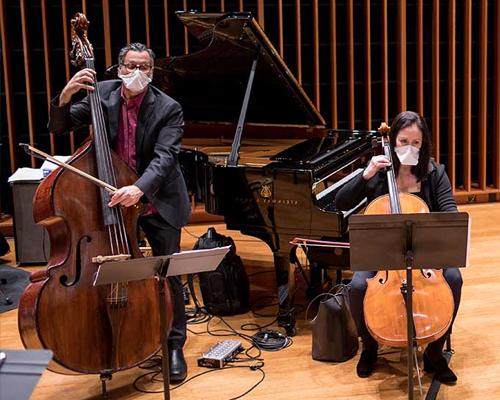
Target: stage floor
(291, 373)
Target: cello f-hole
(426, 273)
(382, 279)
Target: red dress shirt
(125, 140)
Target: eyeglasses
(142, 67)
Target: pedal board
(218, 356)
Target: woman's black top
(435, 190)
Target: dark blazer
(158, 138)
(435, 190)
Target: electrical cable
(189, 233)
(266, 340)
(257, 365)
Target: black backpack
(4, 245)
(225, 291)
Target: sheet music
(50, 166)
(185, 262)
(194, 261)
(26, 174)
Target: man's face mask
(135, 81)
(408, 155)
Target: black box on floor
(32, 240)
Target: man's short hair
(139, 47)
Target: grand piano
(237, 90)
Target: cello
(384, 303)
(90, 329)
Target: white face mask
(408, 155)
(135, 81)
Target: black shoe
(366, 363)
(442, 372)
(178, 366)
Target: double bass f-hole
(78, 264)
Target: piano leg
(285, 282)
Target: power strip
(217, 356)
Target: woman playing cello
(415, 173)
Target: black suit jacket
(158, 139)
(435, 189)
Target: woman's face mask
(135, 81)
(408, 155)
(408, 143)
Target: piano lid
(210, 83)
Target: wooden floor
(291, 373)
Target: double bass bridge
(115, 257)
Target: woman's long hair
(404, 120)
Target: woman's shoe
(442, 372)
(366, 363)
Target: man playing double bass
(145, 128)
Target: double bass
(90, 329)
(384, 303)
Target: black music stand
(20, 370)
(186, 262)
(409, 241)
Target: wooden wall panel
(127, 21)
(467, 96)
(385, 63)
(350, 64)
(333, 63)
(260, 13)
(420, 57)
(496, 101)
(280, 29)
(362, 62)
(368, 65)
(146, 23)
(67, 43)
(107, 32)
(401, 56)
(48, 68)
(483, 82)
(7, 81)
(27, 77)
(436, 78)
(452, 91)
(315, 28)
(298, 42)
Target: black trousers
(357, 293)
(164, 240)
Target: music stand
(186, 262)
(422, 241)
(20, 370)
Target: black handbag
(334, 334)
